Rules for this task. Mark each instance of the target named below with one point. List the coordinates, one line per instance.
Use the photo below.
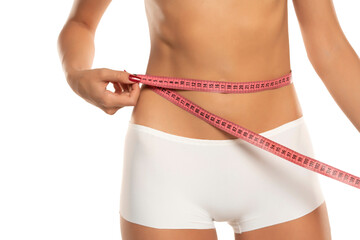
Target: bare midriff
(229, 40)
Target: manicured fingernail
(134, 78)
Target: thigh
(313, 226)
(162, 196)
(133, 231)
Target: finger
(126, 87)
(110, 75)
(135, 91)
(118, 87)
(113, 100)
(135, 87)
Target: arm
(331, 55)
(76, 39)
(76, 49)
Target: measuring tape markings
(162, 84)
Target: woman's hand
(90, 84)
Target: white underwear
(175, 182)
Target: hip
(196, 180)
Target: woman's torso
(228, 40)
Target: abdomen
(228, 40)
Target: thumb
(111, 75)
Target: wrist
(71, 79)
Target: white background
(61, 157)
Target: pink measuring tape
(162, 85)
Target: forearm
(76, 48)
(338, 66)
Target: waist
(257, 111)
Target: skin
(232, 40)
